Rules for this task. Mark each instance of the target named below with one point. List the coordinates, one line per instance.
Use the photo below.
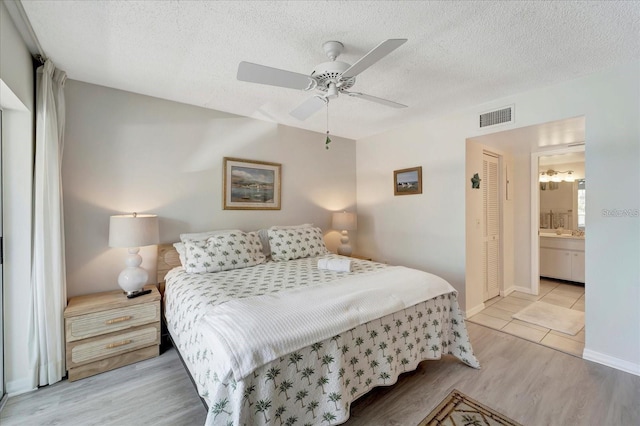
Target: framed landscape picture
(407, 181)
(251, 185)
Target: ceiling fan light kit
(329, 78)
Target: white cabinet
(562, 258)
(577, 266)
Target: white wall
(126, 152)
(17, 102)
(427, 231)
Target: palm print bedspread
(316, 384)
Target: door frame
(535, 209)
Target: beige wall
(428, 231)
(126, 152)
(17, 102)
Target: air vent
(500, 116)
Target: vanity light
(553, 176)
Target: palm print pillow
(233, 250)
(296, 243)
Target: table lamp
(345, 221)
(133, 231)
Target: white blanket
(254, 331)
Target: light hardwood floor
(528, 382)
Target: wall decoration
(475, 181)
(407, 181)
(251, 185)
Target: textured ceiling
(458, 54)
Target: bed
(285, 342)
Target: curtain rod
(22, 23)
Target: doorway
(556, 164)
(519, 185)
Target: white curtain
(48, 275)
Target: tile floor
(498, 311)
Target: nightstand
(104, 331)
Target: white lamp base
(345, 249)
(133, 277)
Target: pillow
(264, 236)
(290, 243)
(181, 252)
(264, 239)
(204, 235)
(304, 225)
(231, 250)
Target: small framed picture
(251, 185)
(407, 181)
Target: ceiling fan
(328, 78)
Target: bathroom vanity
(562, 257)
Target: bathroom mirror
(562, 191)
(557, 205)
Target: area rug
(457, 409)
(564, 320)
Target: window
(581, 204)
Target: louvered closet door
(491, 251)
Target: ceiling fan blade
(255, 73)
(308, 107)
(375, 99)
(374, 55)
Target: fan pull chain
(328, 141)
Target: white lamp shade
(345, 221)
(133, 230)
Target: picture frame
(407, 181)
(251, 185)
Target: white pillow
(232, 250)
(205, 235)
(264, 239)
(296, 242)
(304, 225)
(181, 252)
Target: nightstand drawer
(104, 322)
(114, 344)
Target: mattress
(315, 383)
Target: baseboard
(613, 362)
(471, 312)
(507, 291)
(521, 289)
(3, 401)
(18, 387)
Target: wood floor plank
(528, 382)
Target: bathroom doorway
(522, 286)
(519, 186)
(558, 188)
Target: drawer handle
(118, 344)
(117, 320)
